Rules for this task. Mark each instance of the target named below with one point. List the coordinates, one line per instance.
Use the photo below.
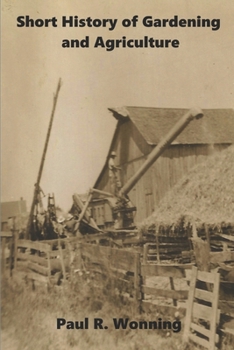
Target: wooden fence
(139, 279)
(42, 261)
(155, 286)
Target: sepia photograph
(117, 175)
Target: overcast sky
(198, 73)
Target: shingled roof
(217, 125)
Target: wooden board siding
(175, 162)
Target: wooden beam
(6, 234)
(218, 257)
(43, 247)
(166, 293)
(176, 271)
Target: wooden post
(15, 248)
(189, 305)
(11, 259)
(11, 262)
(62, 263)
(207, 235)
(145, 253)
(3, 255)
(137, 285)
(49, 266)
(202, 254)
(173, 288)
(157, 244)
(194, 230)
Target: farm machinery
(105, 211)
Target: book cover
(117, 128)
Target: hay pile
(204, 195)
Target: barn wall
(132, 150)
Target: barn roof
(217, 125)
(10, 209)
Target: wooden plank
(119, 258)
(168, 244)
(227, 307)
(227, 237)
(173, 288)
(190, 304)
(23, 264)
(34, 258)
(168, 310)
(94, 256)
(43, 247)
(38, 268)
(166, 293)
(215, 302)
(164, 250)
(176, 271)
(123, 259)
(203, 295)
(120, 273)
(206, 276)
(199, 341)
(201, 311)
(204, 331)
(168, 256)
(37, 277)
(54, 254)
(218, 257)
(32, 266)
(6, 234)
(94, 249)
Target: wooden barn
(138, 131)
(10, 210)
